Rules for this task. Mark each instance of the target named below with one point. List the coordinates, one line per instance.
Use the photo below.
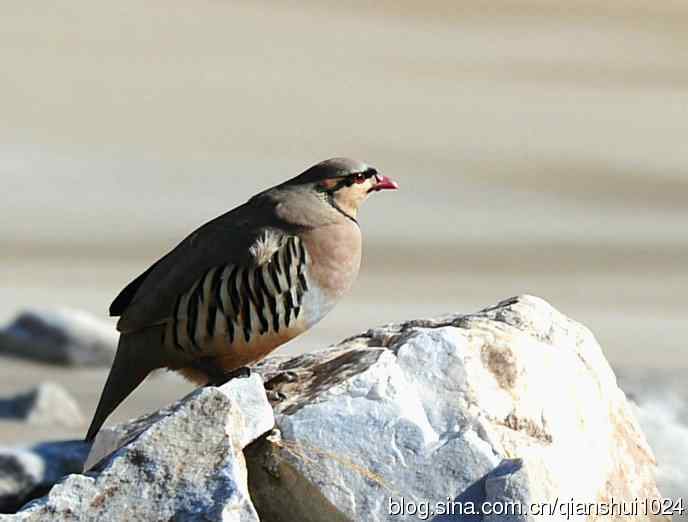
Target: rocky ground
(515, 403)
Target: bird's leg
(240, 373)
(220, 377)
(217, 376)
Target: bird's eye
(359, 177)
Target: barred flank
(253, 300)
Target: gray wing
(150, 299)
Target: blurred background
(540, 146)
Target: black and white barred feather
(232, 304)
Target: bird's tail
(135, 359)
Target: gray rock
(426, 411)
(184, 463)
(46, 404)
(28, 473)
(68, 337)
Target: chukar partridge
(244, 283)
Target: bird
(244, 283)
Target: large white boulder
(515, 403)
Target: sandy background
(540, 146)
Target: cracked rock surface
(514, 401)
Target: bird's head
(343, 183)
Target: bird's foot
(218, 379)
(240, 373)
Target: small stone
(47, 404)
(67, 337)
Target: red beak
(384, 183)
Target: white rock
(184, 464)
(428, 410)
(46, 404)
(69, 337)
(514, 404)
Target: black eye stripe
(367, 174)
(348, 181)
